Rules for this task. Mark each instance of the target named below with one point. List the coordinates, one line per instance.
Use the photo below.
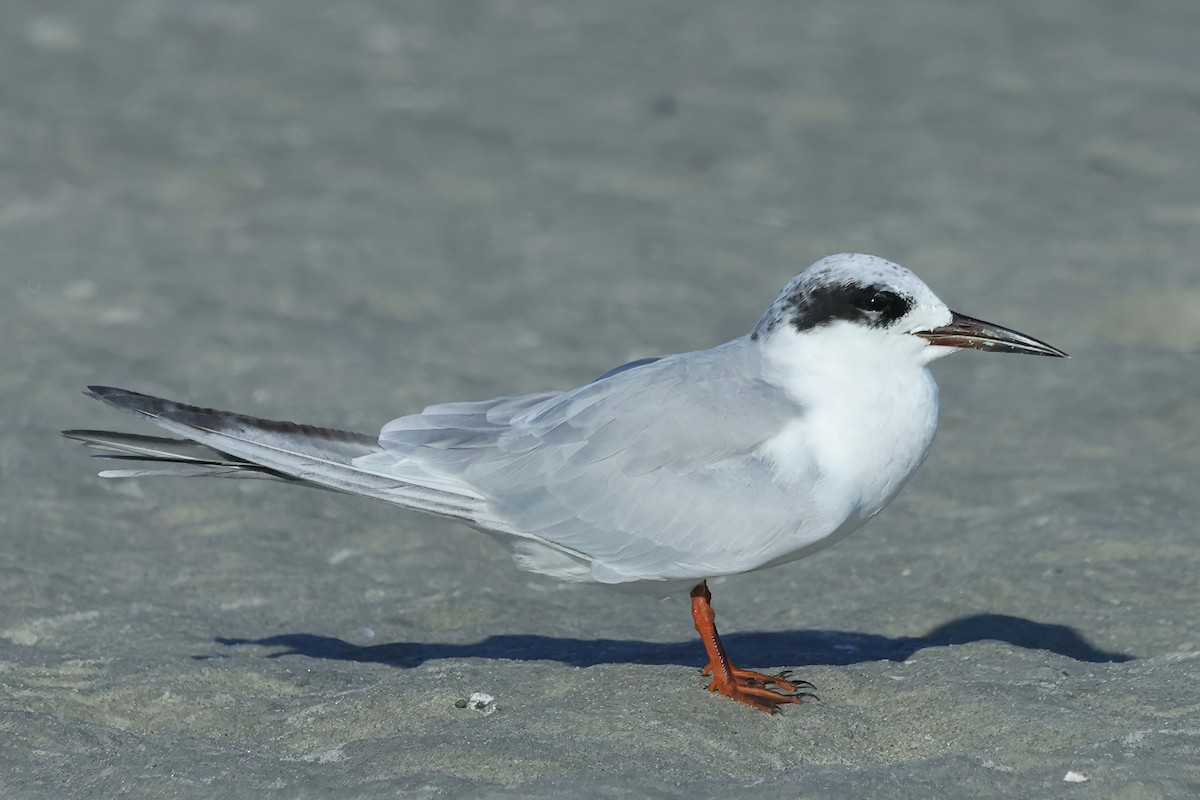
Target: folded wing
(629, 473)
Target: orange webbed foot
(758, 690)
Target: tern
(662, 473)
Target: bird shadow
(797, 648)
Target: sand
(340, 213)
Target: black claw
(784, 677)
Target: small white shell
(482, 702)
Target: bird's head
(853, 306)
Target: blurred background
(338, 213)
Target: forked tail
(224, 444)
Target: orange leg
(764, 692)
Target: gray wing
(651, 472)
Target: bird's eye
(879, 301)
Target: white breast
(868, 420)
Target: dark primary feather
(330, 442)
(247, 446)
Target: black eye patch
(876, 306)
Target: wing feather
(628, 472)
